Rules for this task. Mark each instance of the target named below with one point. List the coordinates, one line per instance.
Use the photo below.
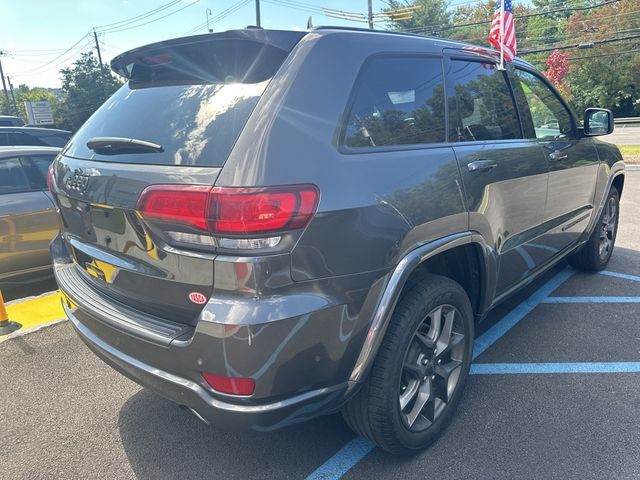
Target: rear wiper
(120, 146)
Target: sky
(35, 34)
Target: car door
(27, 218)
(573, 160)
(504, 175)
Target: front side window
(543, 115)
(397, 101)
(480, 103)
(12, 176)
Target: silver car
(27, 213)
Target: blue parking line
(582, 367)
(591, 300)
(342, 460)
(626, 276)
(492, 335)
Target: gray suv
(267, 226)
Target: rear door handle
(557, 155)
(481, 165)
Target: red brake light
(50, 179)
(231, 210)
(232, 385)
(176, 203)
(240, 211)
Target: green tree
(429, 15)
(85, 86)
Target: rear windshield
(192, 101)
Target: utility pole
(370, 13)
(13, 97)
(95, 35)
(208, 12)
(5, 108)
(257, 13)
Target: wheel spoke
(436, 325)
(424, 395)
(408, 395)
(450, 373)
(414, 370)
(445, 336)
(426, 342)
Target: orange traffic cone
(6, 327)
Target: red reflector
(234, 386)
(175, 203)
(50, 179)
(261, 210)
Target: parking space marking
(492, 335)
(591, 300)
(35, 311)
(538, 368)
(342, 461)
(626, 276)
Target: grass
(631, 154)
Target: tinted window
(192, 99)
(398, 101)
(53, 139)
(36, 168)
(21, 138)
(12, 176)
(480, 103)
(543, 115)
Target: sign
(39, 113)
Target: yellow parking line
(36, 311)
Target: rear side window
(21, 138)
(52, 139)
(36, 168)
(480, 103)
(397, 101)
(192, 100)
(12, 176)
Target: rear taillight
(241, 211)
(51, 183)
(186, 205)
(231, 210)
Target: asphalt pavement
(625, 134)
(64, 414)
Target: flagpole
(501, 34)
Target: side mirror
(597, 121)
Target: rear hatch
(173, 123)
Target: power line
(37, 69)
(439, 28)
(141, 16)
(115, 29)
(576, 45)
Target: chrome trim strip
(391, 293)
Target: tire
(407, 361)
(591, 256)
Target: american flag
(507, 42)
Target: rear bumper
(299, 347)
(261, 417)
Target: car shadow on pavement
(162, 440)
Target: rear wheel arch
(433, 258)
(618, 182)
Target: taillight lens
(231, 210)
(239, 211)
(51, 184)
(176, 204)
